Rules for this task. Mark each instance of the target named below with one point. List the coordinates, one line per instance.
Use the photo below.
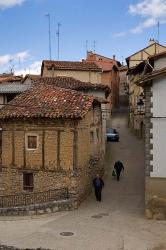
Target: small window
(91, 136)
(97, 133)
(32, 142)
(28, 181)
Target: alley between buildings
(115, 223)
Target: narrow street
(114, 224)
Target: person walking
(98, 184)
(118, 168)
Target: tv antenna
(11, 66)
(86, 45)
(94, 46)
(49, 34)
(158, 31)
(58, 35)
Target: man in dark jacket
(118, 168)
(98, 184)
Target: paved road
(120, 222)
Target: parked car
(112, 134)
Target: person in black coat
(98, 184)
(118, 168)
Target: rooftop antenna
(58, 35)
(86, 45)
(49, 33)
(19, 62)
(94, 46)
(158, 31)
(11, 66)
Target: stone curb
(39, 209)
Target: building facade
(83, 71)
(123, 86)
(136, 93)
(10, 86)
(99, 91)
(52, 142)
(110, 75)
(155, 116)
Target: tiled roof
(32, 77)
(13, 88)
(69, 65)
(150, 76)
(123, 68)
(158, 55)
(48, 101)
(10, 78)
(72, 83)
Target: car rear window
(110, 130)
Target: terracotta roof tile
(32, 77)
(69, 65)
(10, 78)
(48, 101)
(72, 83)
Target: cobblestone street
(114, 224)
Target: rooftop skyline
(117, 27)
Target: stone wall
(64, 156)
(148, 126)
(39, 209)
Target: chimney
(114, 57)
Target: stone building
(123, 86)
(97, 90)
(10, 86)
(83, 71)
(155, 117)
(109, 76)
(50, 138)
(136, 92)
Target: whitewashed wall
(159, 128)
(160, 63)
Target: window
(10, 97)
(28, 181)
(31, 142)
(97, 133)
(91, 136)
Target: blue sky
(119, 27)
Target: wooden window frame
(26, 141)
(28, 187)
(91, 136)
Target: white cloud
(151, 11)
(120, 34)
(4, 4)
(20, 56)
(34, 68)
(4, 60)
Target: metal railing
(24, 199)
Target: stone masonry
(69, 154)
